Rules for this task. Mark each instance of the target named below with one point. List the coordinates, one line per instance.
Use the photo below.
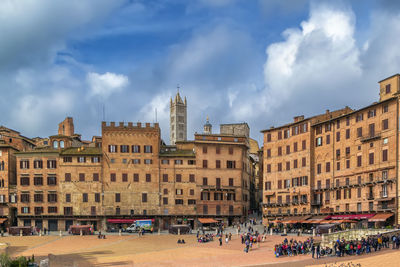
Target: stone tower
(178, 119)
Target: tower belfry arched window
(178, 118)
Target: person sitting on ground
(183, 241)
(179, 241)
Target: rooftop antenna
(177, 86)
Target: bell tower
(178, 119)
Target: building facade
(337, 163)
(128, 173)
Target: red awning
(381, 217)
(207, 220)
(351, 216)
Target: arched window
(55, 144)
(62, 144)
(2, 182)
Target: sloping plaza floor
(163, 250)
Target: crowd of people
(294, 247)
(205, 238)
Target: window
(148, 149)
(178, 162)
(295, 163)
(269, 137)
(318, 141)
(384, 155)
(191, 192)
(286, 133)
(268, 168)
(165, 191)
(348, 121)
(38, 180)
(371, 113)
(81, 177)
(385, 108)
(205, 182)
(117, 210)
(38, 210)
(230, 150)
(38, 164)
(328, 139)
(303, 144)
(85, 197)
(204, 150)
(191, 201)
(81, 159)
(136, 161)
(359, 132)
(148, 177)
(51, 180)
(279, 167)
(358, 192)
(337, 136)
(338, 166)
(205, 163)
(303, 162)
(135, 149)
(124, 149)
(359, 206)
(113, 177)
(165, 201)
(280, 135)
(179, 178)
(287, 150)
(359, 161)
(288, 165)
(148, 161)
(144, 197)
(319, 168)
(279, 151)
(24, 209)
(52, 197)
(328, 167)
(67, 198)
(68, 211)
(205, 209)
(318, 130)
(385, 141)
(165, 178)
(25, 198)
(95, 159)
(55, 144)
(95, 177)
(67, 159)
(24, 181)
(117, 197)
(372, 129)
(387, 88)
(165, 161)
(52, 209)
(24, 164)
(218, 182)
(124, 177)
(136, 177)
(217, 164)
(191, 162)
(191, 178)
(347, 163)
(359, 117)
(97, 197)
(218, 150)
(112, 148)
(385, 124)
(295, 147)
(178, 192)
(230, 164)
(230, 181)
(371, 158)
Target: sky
(256, 61)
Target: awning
(86, 220)
(2, 220)
(385, 199)
(315, 219)
(380, 217)
(269, 194)
(207, 220)
(294, 219)
(351, 216)
(121, 220)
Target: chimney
(298, 118)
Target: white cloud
(104, 85)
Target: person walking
(220, 240)
(318, 252)
(313, 250)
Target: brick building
(341, 163)
(128, 173)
